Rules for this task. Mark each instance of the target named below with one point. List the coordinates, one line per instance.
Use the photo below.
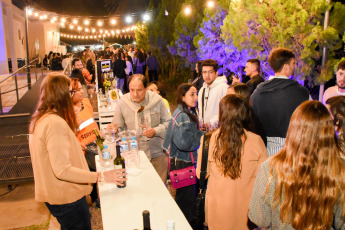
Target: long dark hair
(55, 98)
(337, 108)
(233, 117)
(181, 92)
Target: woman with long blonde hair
(61, 174)
(303, 186)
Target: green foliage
(260, 26)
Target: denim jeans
(72, 216)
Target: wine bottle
(99, 140)
(146, 220)
(119, 163)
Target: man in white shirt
(210, 94)
(339, 89)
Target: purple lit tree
(211, 45)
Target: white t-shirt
(332, 92)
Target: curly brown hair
(308, 171)
(233, 117)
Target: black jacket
(273, 103)
(119, 68)
(254, 82)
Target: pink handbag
(182, 177)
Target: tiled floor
(10, 99)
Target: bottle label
(117, 166)
(106, 155)
(134, 145)
(123, 148)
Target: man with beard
(339, 89)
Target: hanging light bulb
(99, 23)
(210, 4)
(187, 10)
(29, 11)
(86, 30)
(129, 19)
(146, 17)
(71, 27)
(63, 19)
(75, 21)
(113, 21)
(86, 22)
(79, 28)
(62, 24)
(36, 14)
(93, 30)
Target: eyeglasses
(207, 72)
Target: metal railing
(16, 81)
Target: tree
(211, 45)
(260, 26)
(186, 28)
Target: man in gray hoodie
(144, 111)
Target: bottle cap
(123, 139)
(105, 146)
(133, 138)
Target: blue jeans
(74, 216)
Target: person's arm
(186, 136)
(198, 165)
(164, 120)
(260, 212)
(58, 144)
(339, 222)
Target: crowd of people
(275, 157)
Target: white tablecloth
(122, 207)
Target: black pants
(73, 216)
(184, 196)
(153, 75)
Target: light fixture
(75, 21)
(52, 21)
(99, 23)
(29, 11)
(54, 18)
(62, 24)
(187, 10)
(146, 17)
(63, 19)
(36, 14)
(79, 28)
(86, 22)
(93, 30)
(45, 16)
(210, 4)
(129, 19)
(113, 21)
(71, 27)
(101, 31)
(41, 17)
(86, 30)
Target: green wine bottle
(119, 163)
(99, 140)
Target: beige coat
(60, 170)
(227, 200)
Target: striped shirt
(274, 145)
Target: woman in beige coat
(235, 155)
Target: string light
(113, 21)
(86, 22)
(75, 21)
(62, 24)
(187, 11)
(63, 19)
(128, 19)
(210, 4)
(86, 30)
(36, 14)
(99, 23)
(146, 17)
(45, 16)
(93, 30)
(29, 11)
(71, 27)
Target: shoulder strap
(204, 159)
(202, 105)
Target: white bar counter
(122, 207)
